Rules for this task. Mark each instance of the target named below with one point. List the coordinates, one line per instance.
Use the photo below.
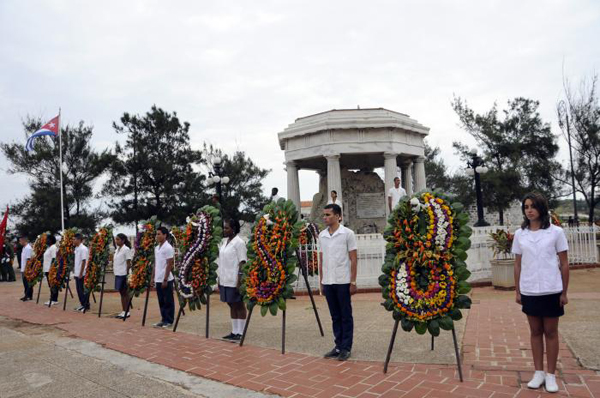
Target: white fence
(371, 252)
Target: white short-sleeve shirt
(26, 255)
(122, 254)
(49, 255)
(396, 194)
(336, 260)
(230, 257)
(81, 254)
(161, 255)
(540, 267)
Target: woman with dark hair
(541, 279)
(232, 257)
(49, 256)
(121, 265)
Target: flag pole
(62, 205)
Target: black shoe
(236, 337)
(230, 336)
(159, 324)
(344, 355)
(24, 298)
(167, 325)
(332, 354)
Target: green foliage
(152, 172)
(40, 210)
(519, 150)
(242, 197)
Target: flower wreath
(424, 274)
(64, 261)
(141, 271)
(34, 270)
(196, 272)
(309, 235)
(99, 256)
(269, 272)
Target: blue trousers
(340, 308)
(166, 302)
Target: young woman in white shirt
(49, 256)
(542, 280)
(121, 266)
(232, 256)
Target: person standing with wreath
(49, 257)
(337, 276)
(164, 259)
(542, 280)
(121, 266)
(232, 257)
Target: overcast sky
(241, 71)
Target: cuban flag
(50, 128)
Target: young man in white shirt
(274, 196)
(49, 256)
(25, 256)
(81, 256)
(337, 275)
(163, 278)
(395, 194)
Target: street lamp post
(475, 167)
(216, 177)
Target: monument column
(334, 176)
(293, 183)
(390, 167)
(407, 177)
(419, 173)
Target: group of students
(541, 277)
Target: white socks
(550, 381)
(538, 379)
(237, 326)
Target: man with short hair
(7, 255)
(81, 256)
(26, 254)
(334, 201)
(395, 194)
(163, 278)
(337, 275)
(274, 196)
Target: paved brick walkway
(497, 358)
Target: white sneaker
(538, 379)
(47, 303)
(55, 303)
(121, 315)
(551, 385)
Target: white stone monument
(343, 147)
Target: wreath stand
(68, 290)
(393, 339)
(145, 306)
(312, 300)
(182, 312)
(102, 290)
(37, 301)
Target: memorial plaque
(370, 205)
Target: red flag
(3, 231)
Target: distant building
(305, 207)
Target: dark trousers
(7, 272)
(166, 302)
(340, 308)
(84, 299)
(53, 292)
(28, 289)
